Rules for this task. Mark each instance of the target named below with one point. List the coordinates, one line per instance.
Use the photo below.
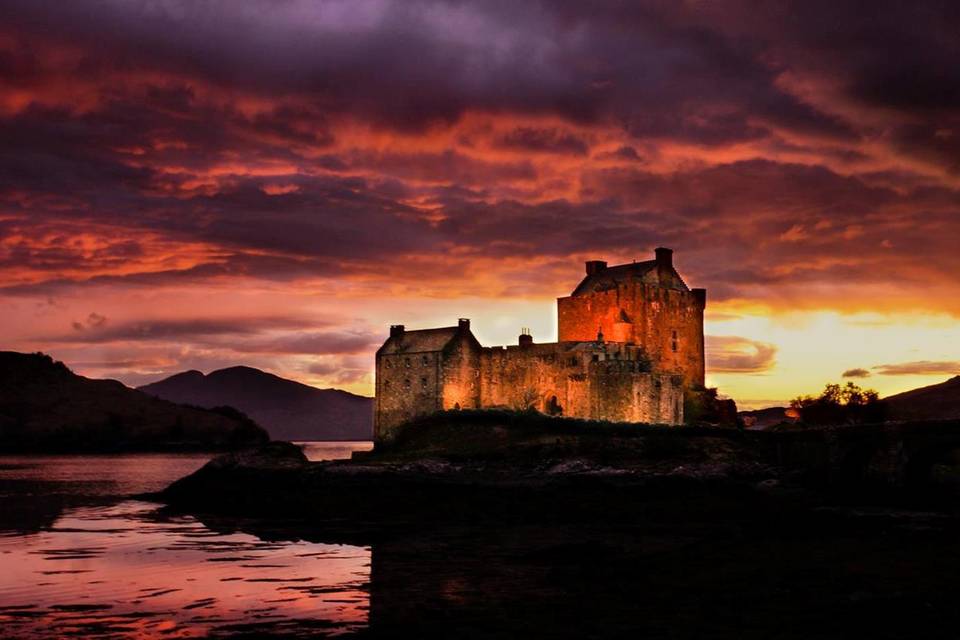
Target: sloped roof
(611, 277)
(419, 340)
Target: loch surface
(78, 557)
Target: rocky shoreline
(487, 467)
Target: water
(316, 451)
(78, 557)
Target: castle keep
(630, 344)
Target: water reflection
(78, 559)
(316, 451)
(116, 569)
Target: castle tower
(643, 303)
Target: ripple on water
(119, 570)
(78, 580)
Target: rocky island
(481, 464)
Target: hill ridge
(44, 406)
(288, 409)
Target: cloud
(544, 141)
(242, 336)
(314, 343)
(733, 354)
(289, 171)
(93, 320)
(153, 147)
(96, 320)
(919, 368)
(342, 370)
(174, 329)
(856, 373)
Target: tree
(525, 398)
(840, 404)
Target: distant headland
(45, 407)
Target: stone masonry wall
(408, 385)
(609, 382)
(460, 376)
(667, 323)
(593, 381)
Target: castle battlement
(630, 344)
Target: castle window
(675, 343)
(423, 383)
(389, 364)
(406, 362)
(596, 357)
(573, 362)
(406, 383)
(425, 360)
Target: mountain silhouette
(935, 402)
(289, 410)
(46, 407)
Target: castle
(630, 345)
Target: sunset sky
(193, 185)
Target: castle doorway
(552, 407)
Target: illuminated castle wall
(630, 343)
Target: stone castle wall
(666, 323)
(585, 380)
(407, 384)
(460, 374)
(591, 381)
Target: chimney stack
(664, 256)
(396, 330)
(595, 266)
(464, 324)
(525, 338)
